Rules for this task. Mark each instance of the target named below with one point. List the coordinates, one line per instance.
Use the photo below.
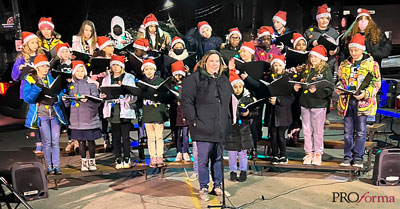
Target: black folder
(256, 69)
(367, 80)
(99, 65)
(253, 104)
(286, 39)
(317, 84)
(279, 87)
(112, 91)
(295, 58)
(329, 42)
(50, 54)
(81, 56)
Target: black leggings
(120, 132)
(278, 141)
(91, 146)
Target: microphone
(215, 75)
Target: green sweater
(318, 99)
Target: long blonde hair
(203, 61)
(372, 31)
(319, 68)
(26, 51)
(94, 35)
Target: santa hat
(60, 47)
(248, 46)
(235, 31)
(178, 68)
(323, 11)
(103, 41)
(279, 59)
(45, 22)
(202, 25)
(264, 31)
(320, 52)
(40, 60)
(280, 17)
(148, 62)
(362, 12)
(150, 19)
(26, 36)
(176, 40)
(141, 43)
(76, 64)
(117, 60)
(296, 38)
(142, 29)
(234, 78)
(358, 41)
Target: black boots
(233, 176)
(243, 176)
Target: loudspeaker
(29, 180)
(387, 168)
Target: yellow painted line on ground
(195, 199)
(213, 199)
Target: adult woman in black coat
(206, 97)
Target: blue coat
(200, 44)
(31, 92)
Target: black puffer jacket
(200, 103)
(240, 137)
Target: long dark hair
(158, 37)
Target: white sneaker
(119, 165)
(126, 164)
(84, 166)
(186, 157)
(92, 164)
(307, 160)
(203, 194)
(178, 157)
(317, 159)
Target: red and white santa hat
(248, 46)
(320, 52)
(176, 40)
(279, 59)
(150, 19)
(202, 25)
(178, 68)
(235, 31)
(40, 60)
(264, 31)
(76, 64)
(60, 47)
(27, 36)
(45, 22)
(296, 38)
(280, 17)
(148, 62)
(142, 43)
(117, 60)
(103, 41)
(362, 12)
(234, 78)
(358, 41)
(323, 11)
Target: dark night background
(186, 13)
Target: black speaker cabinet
(29, 180)
(387, 168)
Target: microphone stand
(218, 97)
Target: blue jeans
(50, 134)
(357, 123)
(182, 137)
(195, 158)
(242, 160)
(209, 151)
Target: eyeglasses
(235, 38)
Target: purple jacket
(263, 55)
(16, 73)
(84, 116)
